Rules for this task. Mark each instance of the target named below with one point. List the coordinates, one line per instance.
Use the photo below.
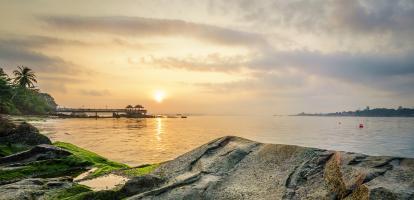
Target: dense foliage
(20, 96)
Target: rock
(33, 188)
(22, 134)
(236, 168)
(6, 127)
(140, 184)
(39, 152)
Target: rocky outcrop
(23, 133)
(34, 188)
(141, 184)
(236, 168)
(6, 126)
(37, 153)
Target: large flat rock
(237, 168)
(39, 152)
(34, 188)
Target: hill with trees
(367, 112)
(19, 94)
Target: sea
(153, 140)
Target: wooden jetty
(137, 111)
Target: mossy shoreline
(43, 166)
(102, 164)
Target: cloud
(53, 86)
(15, 52)
(287, 72)
(374, 16)
(12, 57)
(353, 67)
(38, 41)
(304, 91)
(210, 63)
(355, 15)
(94, 92)
(137, 45)
(354, 24)
(264, 83)
(54, 73)
(59, 83)
(147, 27)
(320, 16)
(375, 70)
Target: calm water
(139, 141)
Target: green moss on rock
(70, 193)
(102, 164)
(68, 166)
(140, 170)
(99, 195)
(6, 150)
(71, 165)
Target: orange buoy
(361, 125)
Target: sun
(159, 96)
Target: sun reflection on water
(159, 129)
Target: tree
(19, 96)
(24, 77)
(4, 81)
(6, 92)
(3, 75)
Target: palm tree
(24, 77)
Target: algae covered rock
(24, 133)
(32, 168)
(37, 153)
(6, 127)
(18, 137)
(34, 188)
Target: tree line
(367, 112)
(19, 94)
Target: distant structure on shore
(367, 112)
(137, 111)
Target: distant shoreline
(315, 115)
(367, 112)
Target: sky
(215, 57)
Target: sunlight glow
(159, 96)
